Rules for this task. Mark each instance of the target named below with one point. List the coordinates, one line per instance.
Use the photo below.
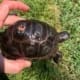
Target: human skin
(7, 65)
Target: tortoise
(33, 40)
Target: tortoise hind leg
(57, 57)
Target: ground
(64, 15)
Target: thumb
(15, 66)
(22, 63)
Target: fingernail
(27, 64)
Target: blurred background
(64, 15)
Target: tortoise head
(62, 36)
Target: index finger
(16, 5)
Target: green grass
(63, 15)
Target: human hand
(5, 7)
(11, 66)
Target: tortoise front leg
(57, 57)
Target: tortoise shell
(31, 39)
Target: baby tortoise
(31, 39)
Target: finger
(15, 66)
(16, 5)
(11, 19)
(3, 14)
(24, 63)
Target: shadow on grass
(44, 70)
(3, 76)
